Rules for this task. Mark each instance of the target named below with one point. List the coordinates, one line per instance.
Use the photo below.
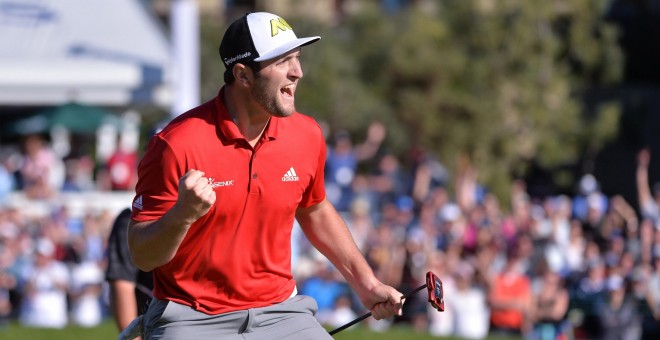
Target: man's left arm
(328, 232)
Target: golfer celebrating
(217, 195)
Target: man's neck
(250, 120)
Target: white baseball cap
(257, 37)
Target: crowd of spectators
(555, 267)
(582, 266)
(52, 266)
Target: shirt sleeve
(158, 181)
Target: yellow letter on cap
(276, 25)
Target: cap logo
(238, 57)
(277, 25)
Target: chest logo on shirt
(226, 183)
(290, 176)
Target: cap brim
(285, 48)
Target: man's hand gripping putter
(433, 286)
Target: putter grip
(341, 328)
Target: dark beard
(260, 94)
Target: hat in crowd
(45, 247)
(614, 282)
(405, 203)
(257, 37)
(449, 212)
(588, 184)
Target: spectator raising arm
(647, 205)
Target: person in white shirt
(86, 288)
(45, 286)
(467, 304)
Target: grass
(107, 330)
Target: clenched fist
(196, 195)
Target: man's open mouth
(288, 90)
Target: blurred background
(513, 147)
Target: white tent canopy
(98, 52)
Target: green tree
(495, 82)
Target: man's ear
(243, 74)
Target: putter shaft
(341, 328)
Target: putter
(433, 286)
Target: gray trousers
(291, 319)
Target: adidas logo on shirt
(137, 204)
(290, 176)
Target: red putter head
(436, 294)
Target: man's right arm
(154, 243)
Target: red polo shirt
(237, 256)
